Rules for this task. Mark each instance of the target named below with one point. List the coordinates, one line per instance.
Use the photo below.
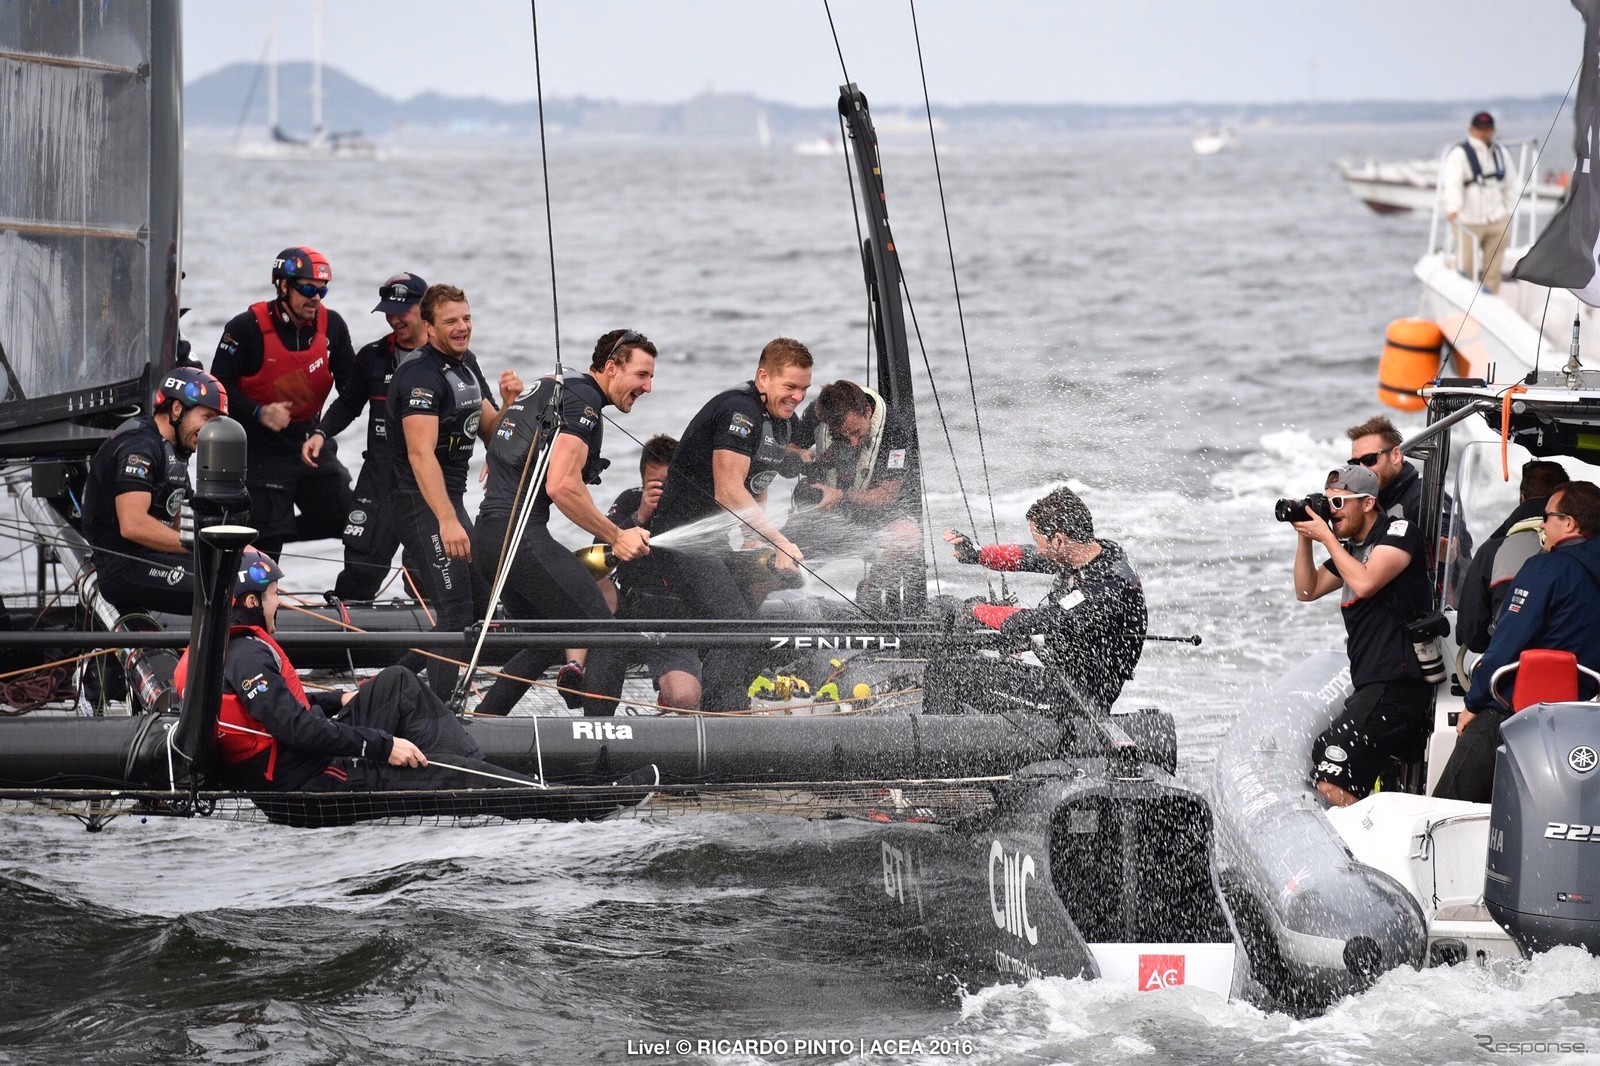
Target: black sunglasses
(1371, 458)
(1553, 514)
(628, 337)
(308, 290)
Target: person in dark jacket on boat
(1551, 605)
(1517, 540)
(1088, 630)
(860, 485)
(133, 499)
(1378, 560)
(279, 361)
(441, 404)
(544, 579)
(273, 737)
(1375, 444)
(370, 536)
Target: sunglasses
(1338, 502)
(1553, 514)
(628, 337)
(1371, 458)
(308, 290)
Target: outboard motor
(1542, 880)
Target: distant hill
(218, 101)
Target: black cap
(400, 293)
(1483, 120)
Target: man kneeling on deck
(272, 737)
(1088, 631)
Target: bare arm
(422, 435)
(1311, 582)
(564, 481)
(729, 470)
(489, 416)
(135, 523)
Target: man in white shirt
(1478, 191)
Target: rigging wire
(955, 282)
(1533, 169)
(544, 164)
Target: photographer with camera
(1378, 560)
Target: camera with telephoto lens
(1424, 631)
(1302, 510)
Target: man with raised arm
(441, 402)
(1088, 631)
(544, 579)
(370, 536)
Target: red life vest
(240, 737)
(303, 378)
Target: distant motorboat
(819, 146)
(1210, 142)
(1409, 185)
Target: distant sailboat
(763, 131)
(1210, 142)
(323, 144)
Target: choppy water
(1181, 339)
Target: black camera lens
(1290, 511)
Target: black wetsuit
(694, 581)
(544, 580)
(278, 480)
(1088, 631)
(137, 458)
(430, 384)
(370, 536)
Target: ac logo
(1160, 971)
(1009, 873)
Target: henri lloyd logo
(1160, 971)
(839, 643)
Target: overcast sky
(1013, 51)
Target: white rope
(518, 781)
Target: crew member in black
(544, 579)
(861, 485)
(279, 360)
(370, 537)
(726, 458)
(675, 671)
(272, 737)
(135, 492)
(1378, 559)
(1088, 630)
(440, 400)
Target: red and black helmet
(257, 570)
(192, 387)
(301, 264)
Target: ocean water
(1182, 340)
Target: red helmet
(192, 387)
(301, 264)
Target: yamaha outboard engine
(1542, 881)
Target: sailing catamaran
(1042, 839)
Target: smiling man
(1377, 559)
(441, 403)
(279, 361)
(544, 579)
(725, 460)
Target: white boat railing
(1447, 237)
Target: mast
(316, 72)
(881, 265)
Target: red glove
(993, 615)
(1001, 556)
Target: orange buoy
(1411, 359)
